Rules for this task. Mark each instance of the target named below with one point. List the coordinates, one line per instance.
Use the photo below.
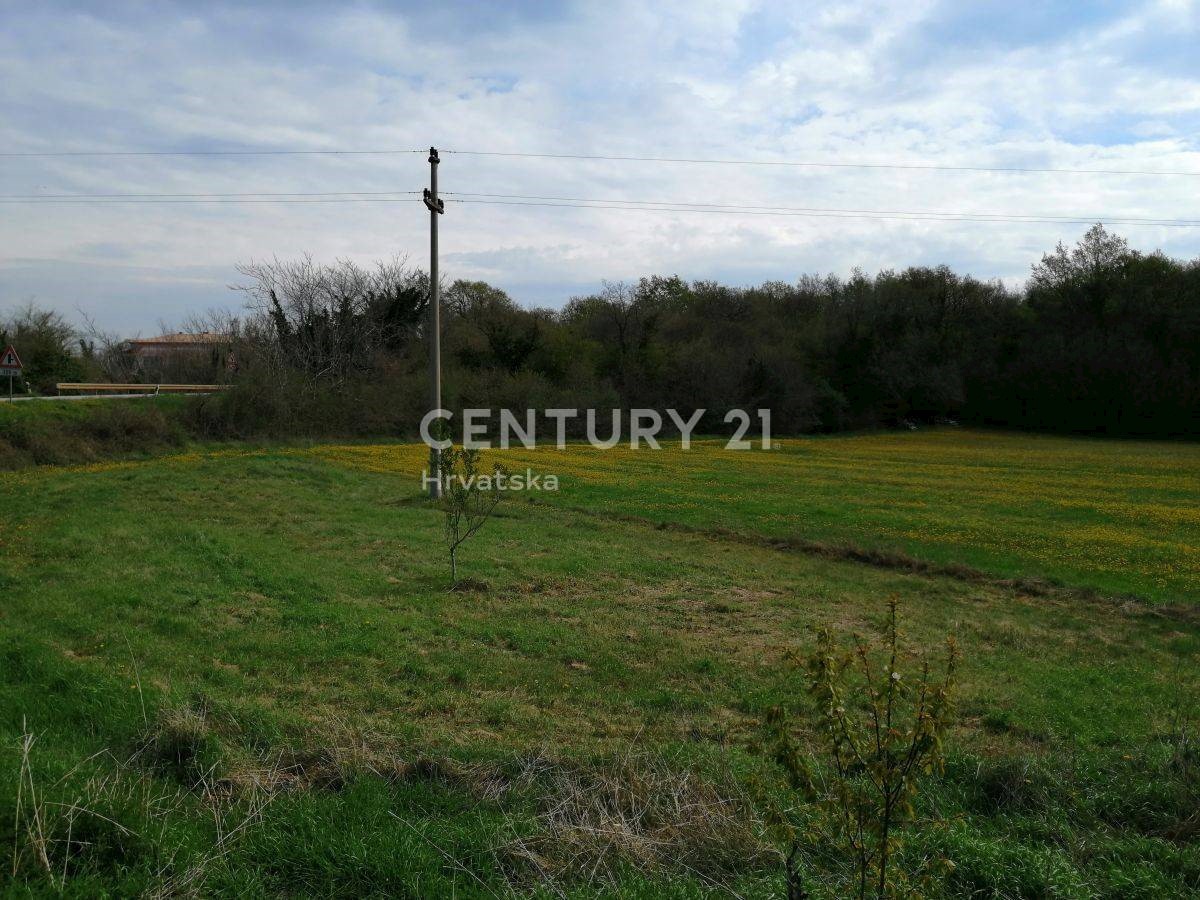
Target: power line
(60, 153)
(589, 203)
(847, 214)
(634, 204)
(813, 164)
(187, 196)
(264, 195)
(826, 165)
(109, 201)
(577, 202)
(214, 200)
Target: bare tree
(330, 321)
(104, 352)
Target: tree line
(1102, 339)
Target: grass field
(1120, 517)
(244, 666)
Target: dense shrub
(263, 404)
(83, 431)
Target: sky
(1063, 85)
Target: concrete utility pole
(436, 208)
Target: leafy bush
(880, 730)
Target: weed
(880, 732)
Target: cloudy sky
(1059, 85)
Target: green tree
(46, 342)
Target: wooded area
(1103, 339)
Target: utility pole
(436, 208)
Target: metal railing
(100, 388)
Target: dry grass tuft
(470, 586)
(592, 821)
(66, 824)
(349, 754)
(637, 812)
(115, 818)
(181, 742)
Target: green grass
(76, 410)
(292, 606)
(1116, 516)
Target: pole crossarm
(433, 204)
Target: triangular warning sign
(9, 359)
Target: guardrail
(96, 388)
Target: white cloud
(875, 82)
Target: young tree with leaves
(468, 497)
(881, 714)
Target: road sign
(10, 363)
